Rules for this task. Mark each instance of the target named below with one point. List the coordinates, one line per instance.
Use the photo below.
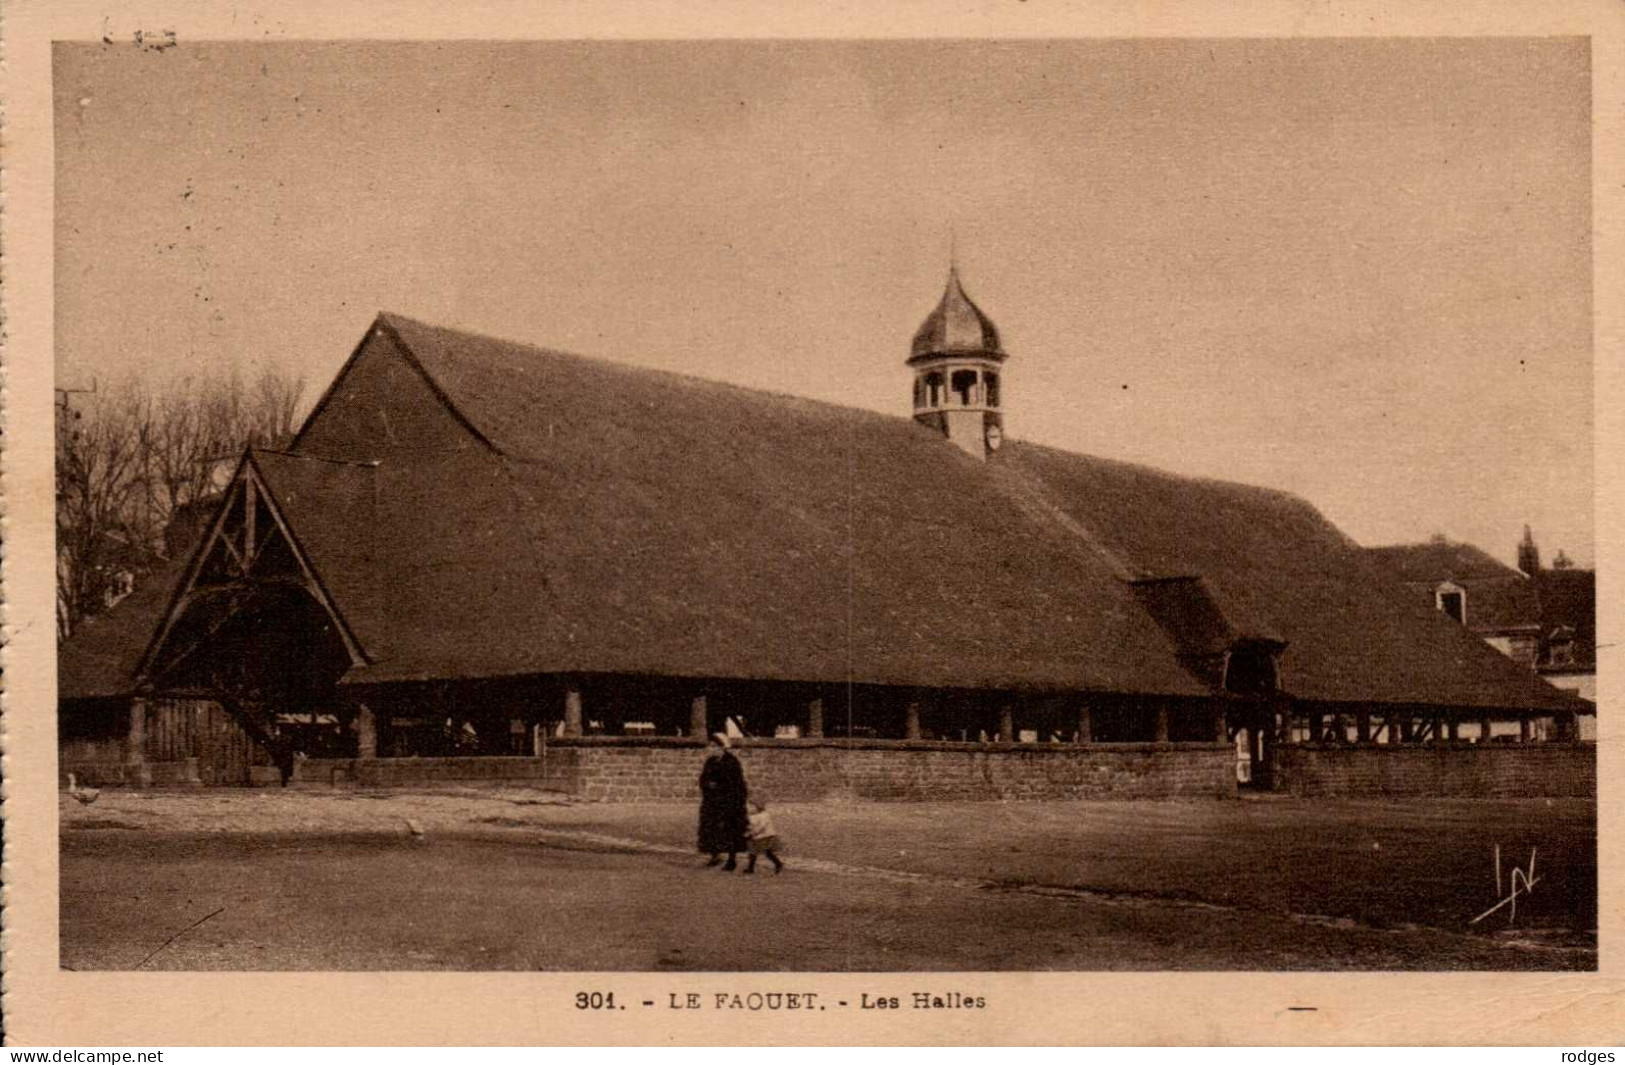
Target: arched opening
(1251, 683)
(933, 388)
(270, 655)
(964, 387)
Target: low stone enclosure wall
(1453, 770)
(99, 773)
(667, 769)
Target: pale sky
(1357, 270)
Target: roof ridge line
(385, 321)
(1022, 488)
(635, 368)
(366, 463)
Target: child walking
(764, 838)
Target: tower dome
(956, 327)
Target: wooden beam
(572, 711)
(248, 524)
(699, 717)
(366, 732)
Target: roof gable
(385, 402)
(249, 543)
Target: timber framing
(237, 534)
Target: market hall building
(484, 559)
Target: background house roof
(573, 515)
(1499, 598)
(1568, 597)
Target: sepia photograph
(825, 506)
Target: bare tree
(138, 464)
(97, 504)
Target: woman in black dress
(723, 817)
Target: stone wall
(116, 773)
(1467, 771)
(667, 770)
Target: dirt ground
(507, 878)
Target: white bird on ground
(84, 795)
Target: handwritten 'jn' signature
(1521, 882)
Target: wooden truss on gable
(248, 576)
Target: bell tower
(957, 364)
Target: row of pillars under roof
(1402, 727)
(699, 720)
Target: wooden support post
(1221, 722)
(1404, 723)
(1162, 722)
(135, 752)
(1283, 706)
(699, 718)
(572, 711)
(1484, 729)
(1362, 726)
(366, 732)
(1526, 729)
(911, 718)
(1086, 725)
(1007, 723)
(1455, 728)
(815, 719)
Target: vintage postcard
(1029, 526)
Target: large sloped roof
(632, 521)
(596, 517)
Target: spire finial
(953, 250)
